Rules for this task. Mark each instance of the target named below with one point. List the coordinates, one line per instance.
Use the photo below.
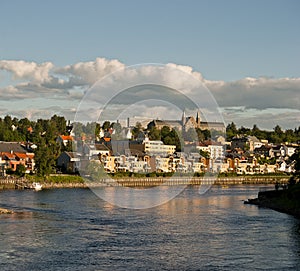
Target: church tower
(183, 118)
(198, 120)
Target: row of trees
(276, 136)
(44, 132)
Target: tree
(137, 129)
(296, 157)
(231, 131)
(154, 134)
(191, 135)
(59, 124)
(90, 129)
(20, 170)
(165, 131)
(8, 121)
(105, 125)
(244, 131)
(175, 139)
(255, 130)
(117, 127)
(46, 155)
(97, 130)
(278, 130)
(78, 128)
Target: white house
(157, 147)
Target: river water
(72, 229)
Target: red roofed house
(13, 154)
(64, 139)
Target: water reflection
(75, 230)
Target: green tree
(45, 158)
(20, 170)
(154, 134)
(244, 131)
(97, 130)
(116, 126)
(231, 131)
(296, 157)
(59, 124)
(105, 125)
(137, 129)
(174, 137)
(165, 131)
(191, 135)
(277, 136)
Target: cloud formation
(36, 73)
(87, 73)
(259, 93)
(256, 98)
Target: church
(188, 122)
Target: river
(72, 229)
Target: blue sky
(223, 40)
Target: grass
(59, 179)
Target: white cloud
(254, 97)
(90, 72)
(259, 93)
(37, 73)
(265, 119)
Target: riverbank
(71, 181)
(285, 201)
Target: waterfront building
(68, 162)
(158, 148)
(15, 153)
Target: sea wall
(14, 183)
(140, 182)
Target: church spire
(183, 118)
(198, 120)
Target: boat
(36, 186)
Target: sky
(245, 52)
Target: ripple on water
(71, 229)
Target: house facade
(68, 162)
(13, 154)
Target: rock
(5, 211)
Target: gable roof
(9, 155)
(66, 137)
(21, 155)
(11, 147)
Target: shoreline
(69, 182)
(284, 201)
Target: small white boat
(36, 186)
